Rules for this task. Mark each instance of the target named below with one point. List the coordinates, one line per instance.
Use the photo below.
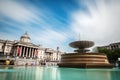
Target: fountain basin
(81, 44)
(84, 60)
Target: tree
(112, 55)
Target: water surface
(56, 73)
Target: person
(118, 64)
(7, 62)
(12, 62)
(26, 64)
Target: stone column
(17, 50)
(20, 51)
(14, 51)
(23, 52)
(32, 52)
(27, 52)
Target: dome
(25, 38)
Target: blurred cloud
(99, 23)
(57, 24)
(16, 11)
(42, 24)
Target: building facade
(111, 46)
(21, 49)
(24, 52)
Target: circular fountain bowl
(81, 44)
(85, 60)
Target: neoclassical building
(25, 48)
(23, 51)
(111, 46)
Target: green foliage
(111, 54)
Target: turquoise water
(55, 73)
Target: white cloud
(101, 22)
(49, 38)
(38, 23)
(16, 11)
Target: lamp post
(57, 53)
(119, 62)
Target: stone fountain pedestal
(81, 59)
(85, 60)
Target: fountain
(82, 58)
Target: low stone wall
(51, 63)
(26, 62)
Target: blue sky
(53, 23)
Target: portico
(25, 49)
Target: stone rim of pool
(82, 59)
